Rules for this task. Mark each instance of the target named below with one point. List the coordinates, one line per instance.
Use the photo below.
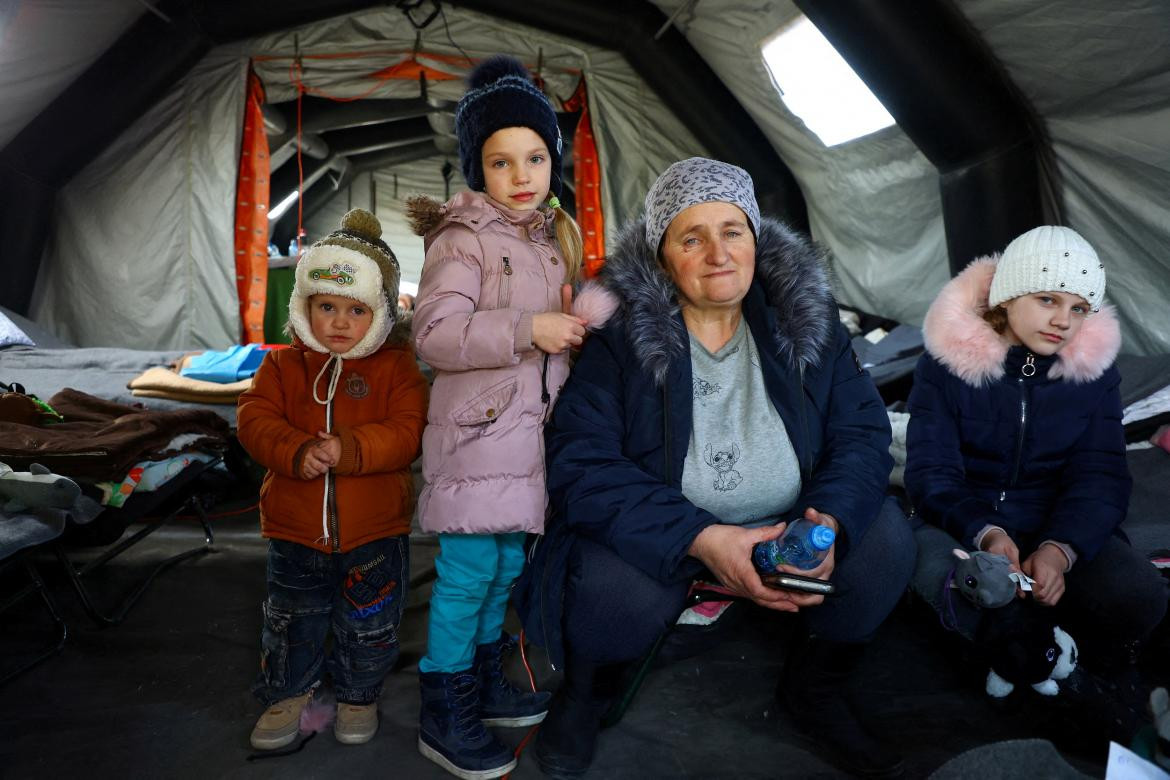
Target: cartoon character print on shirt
(726, 477)
(702, 389)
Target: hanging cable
(298, 65)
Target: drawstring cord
(327, 402)
(335, 359)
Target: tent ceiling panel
(638, 136)
(873, 201)
(356, 140)
(45, 45)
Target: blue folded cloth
(230, 365)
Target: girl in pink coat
(489, 319)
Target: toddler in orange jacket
(337, 420)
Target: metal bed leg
(76, 574)
(39, 586)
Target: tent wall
(141, 249)
(638, 136)
(1100, 76)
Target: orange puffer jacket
(379, 409)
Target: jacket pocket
(488, 406)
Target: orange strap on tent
(587, 180)
(251, 239)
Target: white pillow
(11, 335)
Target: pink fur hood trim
(957, 336)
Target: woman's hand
(554, 333)
(822, 571)
(727, 551)
(1046, 566)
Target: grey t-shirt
(740, 463)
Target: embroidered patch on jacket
(356, 387)
(342, 273)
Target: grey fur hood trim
(790, 269)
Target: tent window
(818, 86)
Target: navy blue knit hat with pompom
(502, 95)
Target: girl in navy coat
(1015, 444)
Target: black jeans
(1117, 595)
(614, 611)
(358, 596)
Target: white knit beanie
(1049, 259)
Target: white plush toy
(37, 488)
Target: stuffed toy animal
(1023, 646)
(1160, 709)
(985, 579)
(37, 488)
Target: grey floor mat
(165, 694)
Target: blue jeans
(470, 597)
(614, 611)
(358, 596)
(1118, 595)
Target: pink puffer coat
(488, 269)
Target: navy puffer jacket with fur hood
(1041, 456)
(612, 476)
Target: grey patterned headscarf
(697, 180)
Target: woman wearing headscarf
(721, 402)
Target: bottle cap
(822, 537)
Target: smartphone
(785, 581)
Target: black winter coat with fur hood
(618, 436)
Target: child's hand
(554, 333)
(331, 446)
(315, 463)
(1046, 566)
(999, 543)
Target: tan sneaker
(356, 723)
(279, 724)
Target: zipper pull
(1029, 367)
(508, 268)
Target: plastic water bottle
(803, 545)
(292, 248)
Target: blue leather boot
(450, 732)
(500, 702)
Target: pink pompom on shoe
(317, 716)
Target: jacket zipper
(330, 492)
(806, 475)
(1029, 363)
(543, 616)
(505, 285)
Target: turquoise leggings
(470, 597)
